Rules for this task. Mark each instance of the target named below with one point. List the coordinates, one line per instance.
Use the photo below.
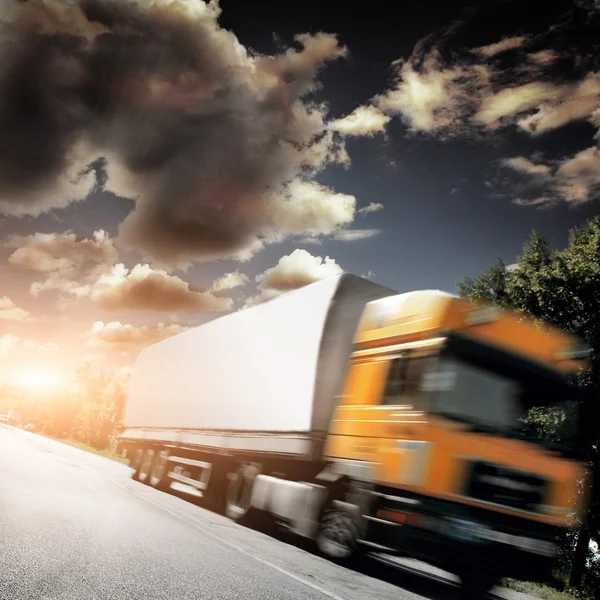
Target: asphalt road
(74, 526)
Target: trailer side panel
(253, 370)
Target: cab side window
(403, 385)
(396, 380)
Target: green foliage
(492, 286)
(557, 286)
(88, 412)
(108, 453)
(543, 592)
(547, 423)
(562, 288)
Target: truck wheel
(146, 466)
(476, 583)
(239, 492)
(159, 473)
(338, 536)
(137, 456)
(215, 496)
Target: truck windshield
(508, 402)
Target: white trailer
(251, 392)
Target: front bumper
(451, 535)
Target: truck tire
(159, 473)
(146, 466)
(239, 493)
(215, 495)
(338, 536)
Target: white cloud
(144, 288)
(539, 201)
(353, 235)
(434, 97)
(511, 102)
(69, 263)
(10, 343)
(261, 298)
(229, 281)
(94, 357)
(293, 271)
(371, 208)
(577, 103)
(7, 344)
(119, 334)
(40, 346)
(439, 95)
(365, 120)
(577, 179)
(524, 165)
(509, 43)
(309, 208)
(9, 311)
(297, 270)
(122, 374)
(316, 241)
(543, 57)
(595, 120)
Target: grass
(91, 449)
(543, 592)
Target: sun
(38, 378)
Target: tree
(89, 410)
(560, 287)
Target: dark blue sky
(429, 237)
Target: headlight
(574, 352)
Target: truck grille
(503, 486)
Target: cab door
(380, 419)
(404, 449)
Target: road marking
(230, 545)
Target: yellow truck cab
(432, 415)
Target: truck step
(377, 547)
(187, 480)
(189, 462)
(382, 521)
(399, 499)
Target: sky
(165, 162)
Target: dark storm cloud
(201, 133)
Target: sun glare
(38, 378)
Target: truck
(370, 421)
